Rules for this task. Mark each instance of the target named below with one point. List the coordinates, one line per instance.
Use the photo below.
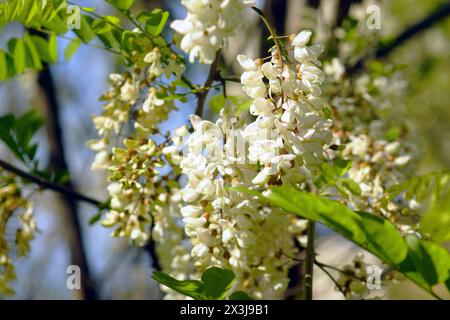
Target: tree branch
(204, 93)
(343, 10)
(44, 184)
(273, 14)
(437, 15)
(322, 267)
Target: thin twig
(344, 272)
(309, 261)
(45, 184)
(232, 79)
(204, 93)
(437, 15)
(331, 277)
(79, 41)
(271, 31)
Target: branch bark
(342, 11)
(58, 163)
(44, 184)
(437, 15)
(209, 81)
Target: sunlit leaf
(214, 285)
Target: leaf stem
(270, 29)
(309, 261)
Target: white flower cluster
(289, 131)
(208, 24)
(173, 253)
(286, 142)
(227, 228)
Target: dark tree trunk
(70, 218)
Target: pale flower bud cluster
(208, 24)
(133, 184)
(356, 283)
(135, 103)
(13, 204)
(381, 151)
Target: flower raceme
(284, 143)
(283, 138)
(208, 25)
(13, 204)
(125, 147)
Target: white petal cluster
(173, 255)
(227, 228)
(289, 136)
(284, 144)
(208, 24)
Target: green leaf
(121, 4)
(154, 21)
(128, 40)
(71, 49)
(239, 295)
(424, 262)
(6, 125)
(107, 39)
(370, 232)
(16, 133)
(214, 285)
(33, 51)
(176, 96)
(217, 282)
(3, 66)
(190, 288)
(392, 134)
(217, 103)
(351, 185)
(33, 9)
(42, 48)
(85, 32)
(19, 55)
(240, 103)
(101, 27)
(436, 222)
(95, 218)
(431, 260)
(27, 125)
(56, 24)
(112, 19)
(53, 48)
(333, 170)
(88, 9)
